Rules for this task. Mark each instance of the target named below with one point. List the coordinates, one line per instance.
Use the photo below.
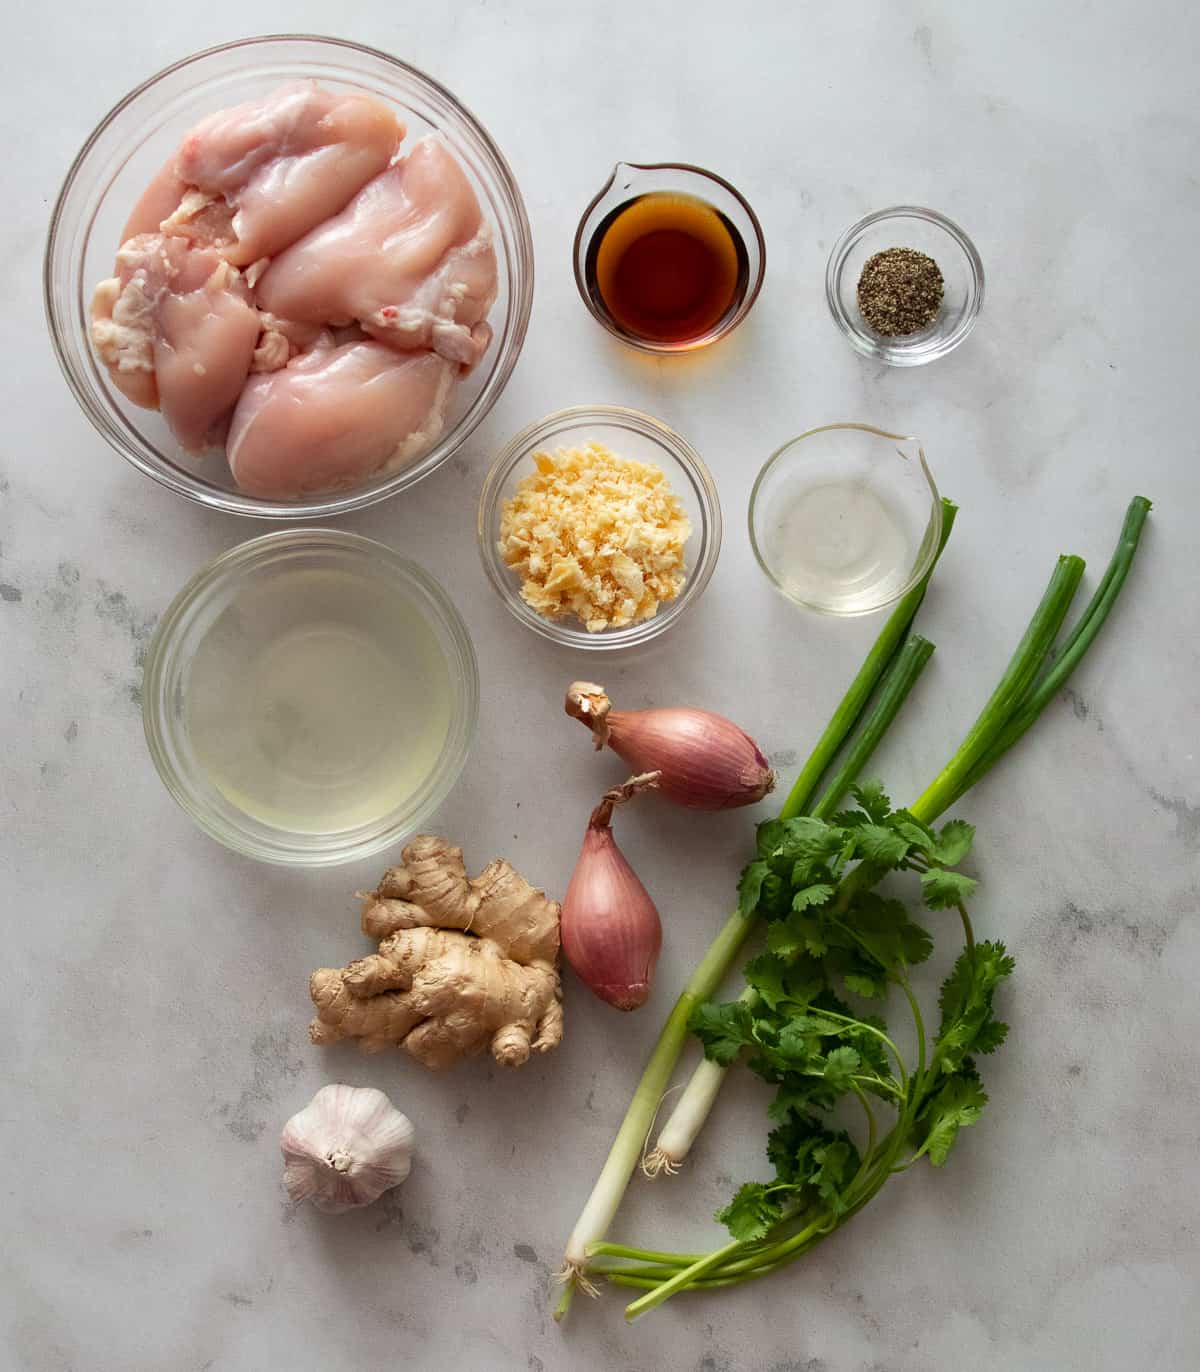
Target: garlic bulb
(345, 1148)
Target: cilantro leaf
(806, 1154)
(768, 976)
(958, 1102)
(943, 888)
(794, 1095)
(791, 1143)
(840, 1067)
(990, 1036)
(774, 897)
(966, 998)
(817, 894)
(881, 843)
(916, 831)
(797, 1049)
(810, 841)
(953, 842)
(866, 981)
(844, 854)
(849, 819)
(768, 837)
(872, 798)
(750, 886)
(752, 1213)
(723, 1029)
(837, 1162)
(974, 979)
(883, 928)
(798, 933)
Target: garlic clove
(345, 1148)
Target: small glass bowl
(906, 226)
(630, 434)
(626, 182)
(129, 146)
(230, 582)
(845, 519)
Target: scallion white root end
(656, 1163)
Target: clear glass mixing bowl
(249, 589)
(129, 146)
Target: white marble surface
(154, 1012)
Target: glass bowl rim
(902, 355)
(520, 286)
(648, 345)
(310, 850)
(920, 567)
(501, 576)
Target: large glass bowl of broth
(310, 697)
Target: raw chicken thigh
(157, 202)
(285, 288)
(256, 177)
(336, 416)
(177, 330)
(410, 258)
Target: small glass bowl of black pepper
(900, 290)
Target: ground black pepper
(900, 291)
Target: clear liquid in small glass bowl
(846, 518)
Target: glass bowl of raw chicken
(288, 276)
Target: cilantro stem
(879, 1034)
(872, 1127)
(700, 1284)
(604, 1249)
(859, 691)
(686, 1277)
(968, 930)
(902, 982)
(879, 1084)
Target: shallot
(704, 761)
(611, 932)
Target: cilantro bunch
(832, 935)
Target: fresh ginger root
(463, 965)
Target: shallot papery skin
(704, 761)
(611, 932)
